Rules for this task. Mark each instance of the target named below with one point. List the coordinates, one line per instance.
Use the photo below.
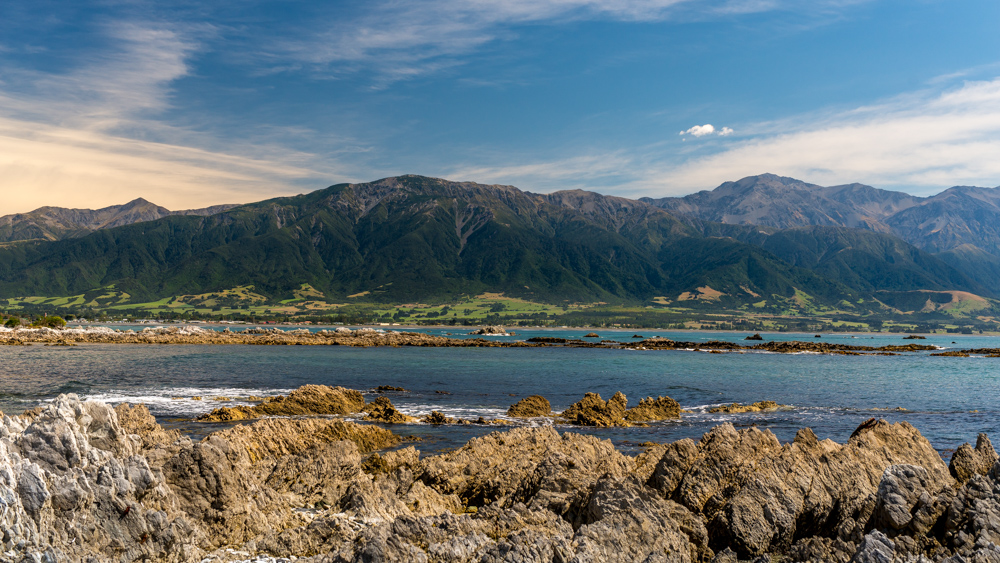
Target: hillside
(961, 226)
(412, 238)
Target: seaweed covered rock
(529, 407)
(306, 400)
(382, 410)
(661, 408)
(594, 411)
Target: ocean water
(949, 400)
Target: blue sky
(191, 103)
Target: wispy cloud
(94, 136)
(402, 39)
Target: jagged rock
(306, 400)
(494, 330)
(755, 336)
(529, 407)
(735, 408)
(903, 499)
(439, 418)
(382, 410)
(594, 411)
(624, 522)
(875, 548)
(725, 556)
(804, 484)
(661, 408)
(384, 388)
(137, 420)
(967, 462)
(494, 467)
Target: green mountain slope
(414, 238)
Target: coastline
(81, 478)
(368, 337)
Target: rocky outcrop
(306, 400)
(648, 409)
(493, 330)
(759, 406)
(594, 411)
(967, 461)
(530, 407)
(82, 479)
(382, 410)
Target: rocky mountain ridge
(962, 215)
(55, 223)
(412, 237)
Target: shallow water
(831, 394)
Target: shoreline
(112, 480)
(367, 337)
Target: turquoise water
(831, 394)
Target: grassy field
(954, 312)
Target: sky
(190, 103)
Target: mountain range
(766, 242)
(55, 223)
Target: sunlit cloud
(90, 137)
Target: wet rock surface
(81, 481)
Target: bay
(949, 400)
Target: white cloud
(917, 142)
(92, 137)
(707, 129)
(700, 130)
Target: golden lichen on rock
(382, 410)
(759, 406)
(529, 407)
(306, 400)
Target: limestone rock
(306, 400)
(735, 408)
(807, 486)
(382, 410)
(594, 411)
(967, 462)
(529, 407)
(137, 420)
(875, 548)
(494, 467)
(661, 408)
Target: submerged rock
(306, 400)
(529, 407)
(759, 406)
